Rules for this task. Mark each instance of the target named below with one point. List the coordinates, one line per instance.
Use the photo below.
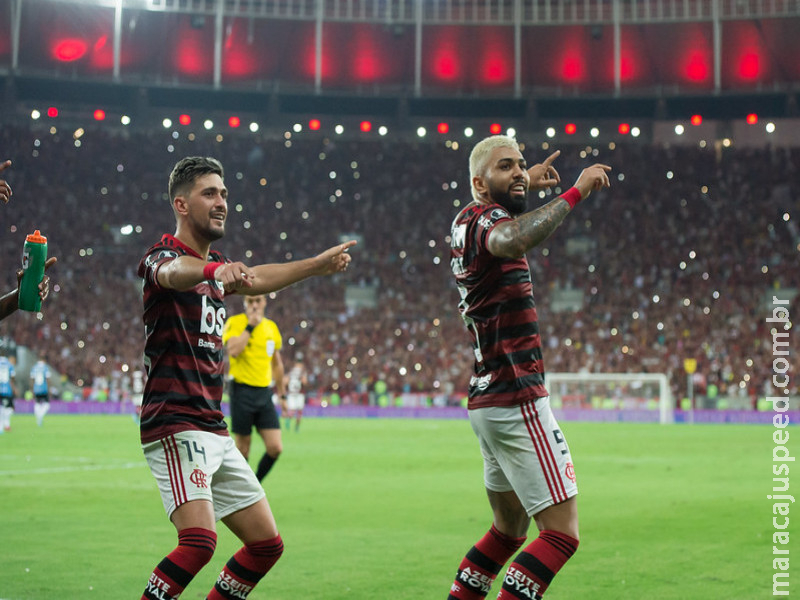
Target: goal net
(611, 396)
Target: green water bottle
(34, 255)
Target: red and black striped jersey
(499, 311)
(183, 349)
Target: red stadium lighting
(365, 126)
(624, 128)
(314, 124)
(696, 120)
(234, 121)
(570, 128)
(99, 115)
(69, 50)
(184, 119)
(443, 128)
(752, 119)
(573, 68)
(749, 66)
(697, 68)
(52, 112)
(495, 128)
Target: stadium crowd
(679, 259)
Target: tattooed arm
(512, 239)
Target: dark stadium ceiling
(509, 58)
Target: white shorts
(197, 465)
(524, 451)
(295, 401)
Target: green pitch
(386, 509)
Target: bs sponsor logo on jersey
(212, 320)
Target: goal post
(635, 393)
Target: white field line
(74, 469)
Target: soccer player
(296, 381)
(254, 347)
(40, 378)
(8, 390)
(201, 475)
(528, 471)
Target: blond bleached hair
(479, 157)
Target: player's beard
(516, 205)
(214, 232)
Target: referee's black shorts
(252, 407)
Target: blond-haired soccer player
(528, 471)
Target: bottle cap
(36, 238)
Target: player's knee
(274, 449)
(272, 547)
(197, 546)
(266, 552)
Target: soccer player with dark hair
(528, 469)
(201, 475)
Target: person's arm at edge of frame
(512, 239)
(9, 303)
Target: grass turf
(385, 509)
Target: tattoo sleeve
(514, 238)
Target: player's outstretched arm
(275, 276)
(185, 272)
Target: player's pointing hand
(544, 175)
(592, 179)
(335, 259)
